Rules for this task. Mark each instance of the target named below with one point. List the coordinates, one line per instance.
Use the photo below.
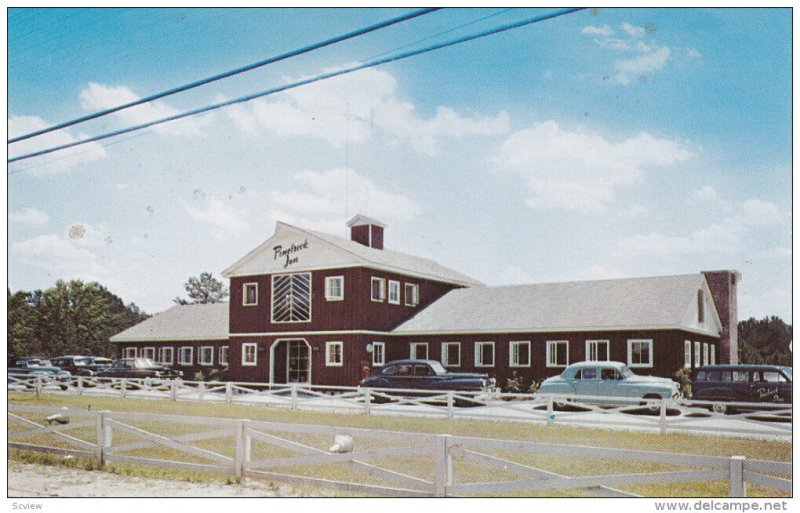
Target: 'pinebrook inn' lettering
(287, 253)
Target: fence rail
(661, 415)
(109, 437)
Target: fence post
(103, 439)
(444, 466)
(550, 416)
(238, 462)
(80, 385)
(201, 390)
(367, 401)
(248, 443)
(228, 392)
(294, 395)
(451, 402)
(37, 387)
(738, 486)
(662, 420)
(173, 390)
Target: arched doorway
(290, 361)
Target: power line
(293, 85)
(227, 74)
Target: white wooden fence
(661, 415)
(114, 435)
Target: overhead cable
(226, 74)
(307, 81)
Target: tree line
(78, 318)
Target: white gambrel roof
(668, 302)
(181, 322)
(331, 252)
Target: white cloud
(57, 163)
(645, 58)
(358, 106)
(693, 53)
(605, 31)
(100, 97)
(61, 257)
(31, 216)
(224, 220)
(581, 170)
(632, 30)
(723, 237)
(706, 194)
(651, 59)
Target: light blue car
(608, 379)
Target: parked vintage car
(137, 368)
(742, 383)
(22, 367)
(608, 379)
(82, 365)
(427, 375)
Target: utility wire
(227, 74)
(307, 81)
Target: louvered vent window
(291, 298)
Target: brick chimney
(723, 290)
(366, 231)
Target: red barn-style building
(310, 307)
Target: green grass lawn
(420, 466)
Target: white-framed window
(640, 353)
(394, 292)
(557, 353)
(206, 356)
(334, 288)
(687, 353)
(597, 351)
(334, 354)
(129, 352)
(378, 354)
(697, 353)
(705, 353)
(451, 354)
(167, 355)
(713, 354)
(378, 289)
(186, 355)
(291, 297)
(249, 351)
(412, 294)
(419, 351)
(484, 354)
(223, 355)
(519, 353)
(149, 352)
(249, 294)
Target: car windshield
(626, 372)
(437, 368)
(80, 361)
(142, 363)
(788, 372)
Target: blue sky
(608, 143)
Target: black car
(137, 368)
(18, 368)
(82, 365)
(427, 375)
(743, 383)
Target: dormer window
(700, 306)
(412, 294)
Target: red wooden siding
(356, 312)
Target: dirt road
(28, 480)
